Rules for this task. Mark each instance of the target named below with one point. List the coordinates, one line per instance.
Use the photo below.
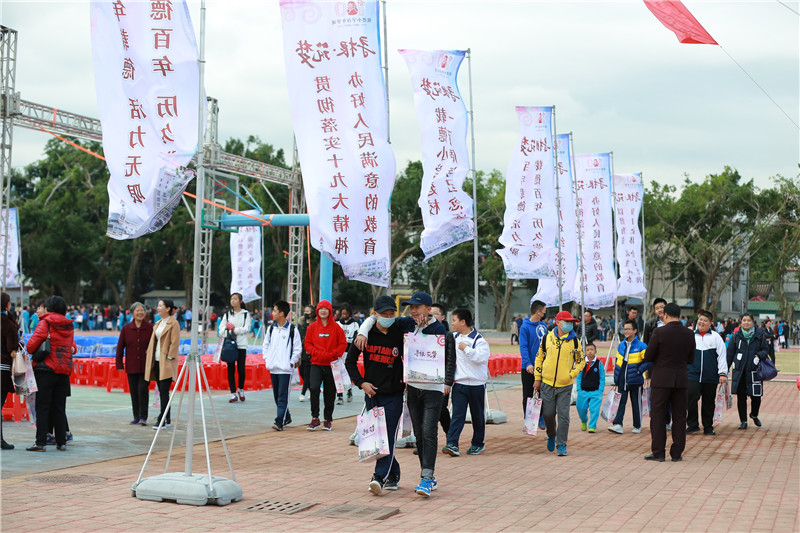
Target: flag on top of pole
(338, 100)
(147, 81)
(676, 17)
(446, 208)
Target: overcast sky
(620, 81)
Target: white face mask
(386, 322)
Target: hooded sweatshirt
(562, 362)
(325, 343)
(62, 343)
(530, 336)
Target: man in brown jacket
(671, 351)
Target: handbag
(43, 350)
(766, 370)
(230, 350)
(373, 438)
(610, 405)
(533, 408)
(20, 364)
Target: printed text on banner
(246, 261)
(628, 197)
(338, 100)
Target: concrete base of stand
(493, 416)
(187, 490)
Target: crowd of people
(674, 364)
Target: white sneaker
(636, 430)
(302, 398)
(616, 428)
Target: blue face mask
(386, 322)
(567, 327)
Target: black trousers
(305, 374)
(741, 401)
(322, 375)
(51, 404)
(676, 399)
(240, 362)
(140, 396)
(707, 392)
(163, 394)
(444, 414)
(527, 389)
(425, 406)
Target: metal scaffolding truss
(17, 112)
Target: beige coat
(168, 364)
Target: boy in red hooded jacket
(325, 342)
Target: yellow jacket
(563, 361)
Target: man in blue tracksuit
(710, 367)
(531, 333)
(590, 384)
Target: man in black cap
(382, 384)
(424, 399)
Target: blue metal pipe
(325, 278)
(234, 221)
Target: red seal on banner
(440, 340)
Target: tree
(715, 227)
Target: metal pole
(579, 219)
(560, 260)
(476, 283)
(198, 217)
(644, 253)
(325, 278)
(388, 129)
(613, 247)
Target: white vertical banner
(547, 290)
(146, 79)
(338, 100)
(593, 187)
(446, 208)
(11, 269)
(529, 223)
(628, 197)
(246, 260)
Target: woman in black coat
(745, 350)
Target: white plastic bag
(610, 405)
(340, 376)
(373, 439)
(532, 411)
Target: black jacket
(649, 327)
(590, 331)
(741, 355)
(383, 361)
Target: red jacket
(326, 343)
(62, 343)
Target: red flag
(676, 17)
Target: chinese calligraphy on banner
(593, 187)
(547, 290)
(11, 269)
(338, 99)
(529, 223)
(146, 78)
(446, 208)
(246, 260)
(628, 197)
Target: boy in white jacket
(469, 384)
(281, 351)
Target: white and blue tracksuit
(590, 383)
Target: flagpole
(388, 129)
(560, 259)
(475, 283)
(613, 250)
(579, 220)
(644, 252)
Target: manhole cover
(272, 506)
(361, 512)
(68, 478)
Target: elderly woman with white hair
(131, 356)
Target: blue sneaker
(562, 450)
(551, 444)
(542, 424)
(425, 487)
(434, 483)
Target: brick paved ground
(736, 481)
